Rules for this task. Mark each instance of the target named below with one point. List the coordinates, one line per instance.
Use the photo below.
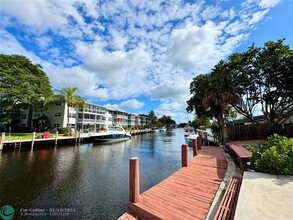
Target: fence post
(194, 147)
(2, 141)
(184, 155)
(33, 140)
(134, 180)
(56, 138)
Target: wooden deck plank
(200, 201)
(188, 193)
(198, 197)
(177, 210)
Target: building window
(57, 114)
(37, 115)
(58, 103)
(23, 116)
(72, 115)
(21, 125)
(56, 125)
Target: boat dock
(186, 194)
(34, 141)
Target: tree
(22, 85)
(166, 121)
(259, 77)
(41, 123)
(264, 78)
(275, 81)
(67, 95)
(199, 123)
(212, 94)
(153, 119)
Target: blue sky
(137, 55)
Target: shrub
(62, 130)
(275, 156)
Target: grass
(26, 136)
(21, 136)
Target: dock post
(76, 136)
(134, 180)
(33, 140)
(2, 141)
(194, 147)
(199, 142)
(56, 138)
(184, 155)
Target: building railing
(91, 120)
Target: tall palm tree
(67, 95)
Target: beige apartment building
(92, 118)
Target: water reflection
(92, 178)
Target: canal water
(86, 181)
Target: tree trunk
(223, 128)
(68, 132)
(29, 118)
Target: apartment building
(92, 118)
(119, 118)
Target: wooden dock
(187, 194)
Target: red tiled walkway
(188, 193)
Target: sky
(137, 55)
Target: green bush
(275, 156)
(62, 130)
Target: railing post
(184, 155)
(134, 180)
(33, 140)
(76, 136)
(199, 142)
(2, 141)
(194, 147)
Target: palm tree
(67, 95)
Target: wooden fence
(258, 131)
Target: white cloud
(194, 46)
(268, 3)
(211, 12)
(121, 50)
(118, 40)
(176, 90)
(41, 14)
(44, 42)
(256, 17)
(175, 110)
(122, 71)
(131, 104)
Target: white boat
(163, 129)
(155, 130)
(113, 134)
(188, 131)
(191, 137)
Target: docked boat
(155, 130)
(188, 131)
(113, 134)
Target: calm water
(88, 181)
